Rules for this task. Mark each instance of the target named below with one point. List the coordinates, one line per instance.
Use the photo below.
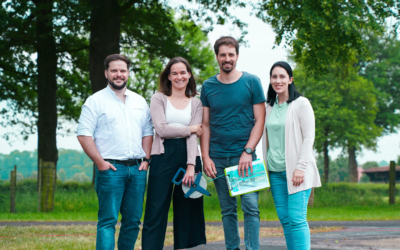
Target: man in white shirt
(116, 132)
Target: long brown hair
(165, 85)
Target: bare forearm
(147, 142)
(90, 149)
(257, 131)
(255, 135)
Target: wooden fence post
(48, 185)
(311, 199)
(13, 188)
(40, 186)
(392, 182)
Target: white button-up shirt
(117, 128)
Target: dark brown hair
(293, 93)
(116, 57)
(226, 40)
(165, 85)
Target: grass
(333, 201)
(83, 237)
(353, 213)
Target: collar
(127, 92)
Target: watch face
(248, 150)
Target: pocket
(102, 171)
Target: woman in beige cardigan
(177, 117)
(288, 152)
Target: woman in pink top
(177, 118)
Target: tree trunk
(353, 173)
(105, 30)
(46, 82)
(105, 25)
(326, 162)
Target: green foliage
(352, 194)
(382, 69)
(344, 106)
(325, 32)
(398, 161)
(81, 197)
(61, 175)
(71, 161)
(152, 36)
(338, 169)
(370, 164)
(147, 66)
(19, 69)
(80, 177)
(20, 177)
(383, 163)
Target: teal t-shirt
(231, 112)
(276, 137)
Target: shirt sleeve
(88, 120)
(203, 97)
(148, 127)
(258, 91)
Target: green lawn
(336, 201)
(352, 213)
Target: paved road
(369, 235)
(351, 238)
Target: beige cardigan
(299, 140)
(158, 107)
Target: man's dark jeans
(119, 191)
(229, 209)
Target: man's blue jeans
(292, 212)
(229, 210)
(119, 191)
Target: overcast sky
(256, 59)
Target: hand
(189, 176)
(197, 129)
(144, 166)
(209, 167)
(105, 165)
(298, 177)
(246, 161)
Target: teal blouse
(276, 137)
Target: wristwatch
(248, 150)
(147, 160)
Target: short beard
(228, 70)
(116, 87)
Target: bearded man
(116, 132)
(233, 121)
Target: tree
(370, 164)
(326, 102)
(80, 177)
(147, 67)
(42, 43)
(345, 109)
(383, 71)
(325, 32)
(61, 175)
(48, 58)
(383, 163)
(153, 29)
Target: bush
(352, 194)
